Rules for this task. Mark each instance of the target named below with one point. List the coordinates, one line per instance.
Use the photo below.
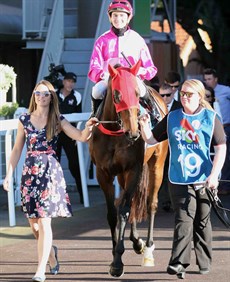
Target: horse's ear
(135, 68)
(112, 71)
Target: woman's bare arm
(76, 134)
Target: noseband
(119, 132)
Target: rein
(107, 131)
(108, 121)
(217, 205)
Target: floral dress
(43, 187)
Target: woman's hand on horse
(144, 120)
(91, 123)
(146, 132)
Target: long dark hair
(53, 123)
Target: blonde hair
(198, 86)
(53, 126)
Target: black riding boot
(95, 105)
(151, 107)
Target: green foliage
(8, 110)
(211, 16)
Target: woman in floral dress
(43, 187)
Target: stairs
(76, 57)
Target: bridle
(108, 131)
(120, 79)
(119, 132)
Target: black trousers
(70, 149)
(192, 223)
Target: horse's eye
(116, 97)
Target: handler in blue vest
(190, 131)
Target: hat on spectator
(71, 75)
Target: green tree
(211, 16)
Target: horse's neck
(109, 111)
(159, 101)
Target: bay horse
(117, 149)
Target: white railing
(8, 127)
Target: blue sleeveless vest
(189, 144)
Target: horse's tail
(139, 202)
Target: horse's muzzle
(132, 136)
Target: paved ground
(85, 247)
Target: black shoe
(177, 269)
(166, 206)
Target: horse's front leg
(117, 266)
(106, 183)
(112, 219)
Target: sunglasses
(187, 94)
(207, 96)
(121, 2)
(174, 86)
(42, 93)
(167, 95)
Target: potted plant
(7, 79)
(7, 111)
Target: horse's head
(125, 94)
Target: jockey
(119, 45)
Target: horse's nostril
(132, 136)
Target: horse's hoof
(116, 271)
(148, 262)
(139, 247)
(148, 259)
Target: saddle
(152, 106)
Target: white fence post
(11, 206)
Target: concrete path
(85, 247)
